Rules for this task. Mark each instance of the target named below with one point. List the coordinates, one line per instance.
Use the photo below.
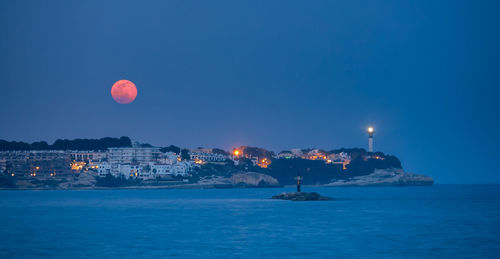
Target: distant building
(298, 152)
(168, 158)
(35, 163)
(87, 156)
(3, 165)
(144, 171)
(285, 154)
(42, 155)
(207, 157)
(339, 157)
(255, 160)
(118, 170)
(316, 154)
(127, 155)
(103, 169)
(179, 169)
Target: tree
(171, 148)
(257, 152)
(219, 151)
(40, 145)
(185, 154)
(111, 181)
(65, 144)
(313, 171)
(13, 145)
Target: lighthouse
(370, 131)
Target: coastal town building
(207, 156)
(178, 169)
(316, 154)
(285, 155)
(339, 157)
(34, 155)
(145, 171)
(3, 165)
(168, 158)
(34, 162)
(127, 155)
(297, 152)
(143, 163)
(87, 156)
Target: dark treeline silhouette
(171, 148)
(360, 166)
(65, 144)
(220, 151)
(256, 152)
(313, 171)
(319, 172)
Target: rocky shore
(252, 179)
(385, 177)
(87, 181)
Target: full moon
(124, 92)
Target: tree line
(65, 144)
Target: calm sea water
(438, 221)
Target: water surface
(437, 221)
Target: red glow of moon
(124, 92)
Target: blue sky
(275, 74)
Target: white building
(33, 155)
(207, 156)
(168, 158)
(103, 169)
(297, 152)
(87, 156)
(178, 169)
(3, 165)
(119, 170)
(144, 171)
(285, 154)
(127, 155)
(339, 157)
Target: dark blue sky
(275, 74)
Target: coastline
(197, 187)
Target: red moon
(124, 92)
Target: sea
(441, 221)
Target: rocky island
(300, 196)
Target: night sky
(273, 74)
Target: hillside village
(110, 162)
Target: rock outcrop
(82, 181)
(386, 177)
(252, 179)
(301, 196)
